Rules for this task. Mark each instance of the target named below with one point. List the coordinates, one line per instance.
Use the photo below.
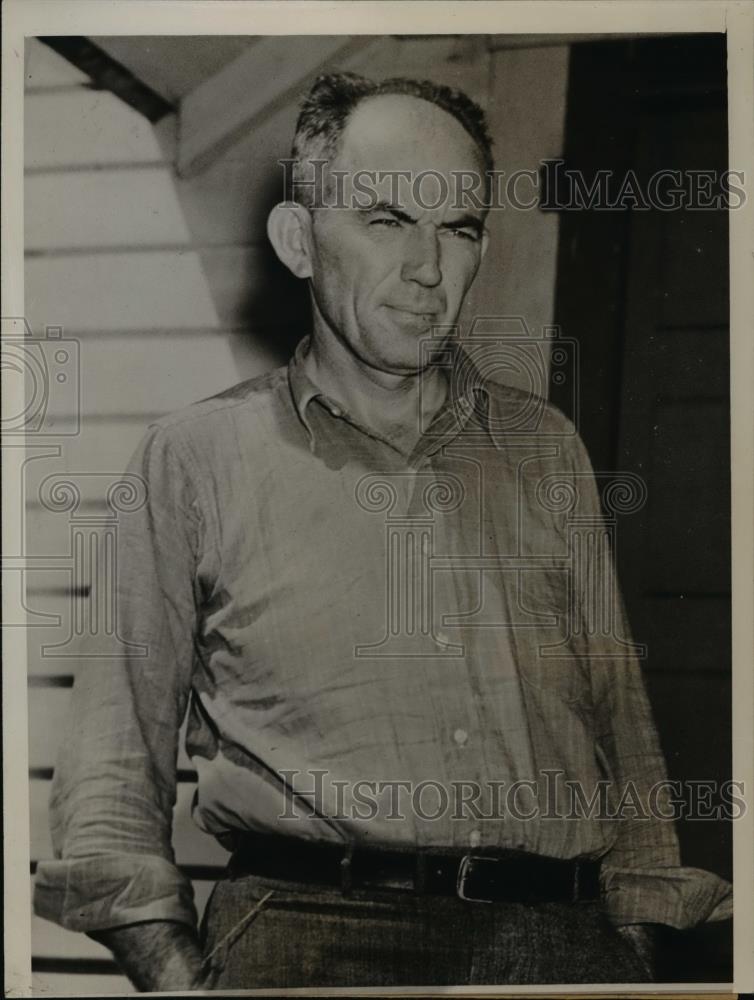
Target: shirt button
(461, 737)
(336, 411)
(475, 839)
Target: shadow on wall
(275, 308)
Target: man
(359, 576)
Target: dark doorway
(645, 293)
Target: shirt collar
(468, 395)
(304, 389)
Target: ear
(289, 230)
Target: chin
(394, 365)
(400, 362)
(399, 352)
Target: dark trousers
(260, 933)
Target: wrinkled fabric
(333, 613)
(259, 933)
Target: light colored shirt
(334, 613)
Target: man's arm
(114, 787)
(644, 882)
(158, 956)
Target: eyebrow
(464, 222)
(386, 206)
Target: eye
(465, 234)
(387, 221)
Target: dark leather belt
(483, 876)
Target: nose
(422, 259)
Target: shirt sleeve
(114, 786)
(643, 879)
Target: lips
(410, 320)
(425, 314)
(413, 316)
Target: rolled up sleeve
(114, 786)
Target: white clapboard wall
(162, 287)
(110, 260)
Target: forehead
(400, 132)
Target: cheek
(334, 276)
(354, 265)
(371, 275)
(460, 270)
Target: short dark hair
(335, 96)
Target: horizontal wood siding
(111, 260)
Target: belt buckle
(467, 863)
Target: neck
(394, 404)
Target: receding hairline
(406, 99)
(332, 151)
(335, 99)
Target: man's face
(384, 276)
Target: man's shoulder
(520, 411)
(253, 397)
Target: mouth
(415, 317)
(413, 311)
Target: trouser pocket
(232, 909)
